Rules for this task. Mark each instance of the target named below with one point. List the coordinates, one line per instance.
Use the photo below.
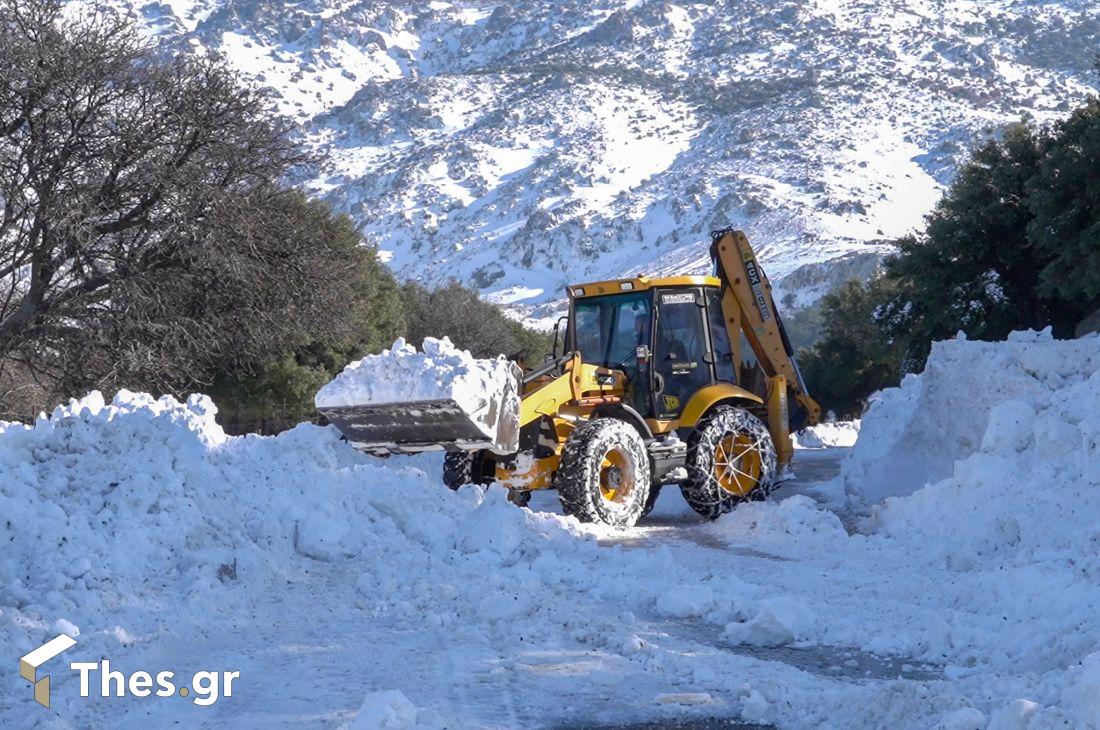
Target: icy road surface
(308, 649)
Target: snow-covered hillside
(518, 146)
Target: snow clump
(827, 435)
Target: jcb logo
(671, 402)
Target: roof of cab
(638, 283)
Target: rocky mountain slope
(519, 146)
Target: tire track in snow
(847, 662)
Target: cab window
(724, 368)
(680, 349)
(608, 329)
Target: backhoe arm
(748, 308)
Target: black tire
(519, 497)
(458, 469)
(594, 490)
(742, 442)
(651, 501)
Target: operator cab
(667, 335)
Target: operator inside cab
(679, 352)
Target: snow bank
(1015, 450)
(793, 522)
(99, 497)
(130, 522)
(1031, 394)
(979, 554)
(779, 621)
(982, 477)
(827, 435)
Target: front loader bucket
(431, 425)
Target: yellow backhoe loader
(687, 380)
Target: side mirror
(557, 338)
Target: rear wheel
(604, 474)
(731, 459)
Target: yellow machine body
(554, 406)
(687, 380)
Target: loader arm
(748, 307)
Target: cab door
(681, 364)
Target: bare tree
(144, 233)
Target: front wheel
(519, 497)
(604, 474)
(731, 459)
(459, 469)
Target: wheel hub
(616, 476)
(737, 464)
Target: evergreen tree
(973, 268)
(471, 323)
(857, 353)
(1013, 244)
(1065, 200)
(368, 317)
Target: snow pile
(485, 390)
(1005, 533)
(827, 435)
(387, 710)
(994, 398)
(979, 555)
(686, 601)
(401, 374)
(1016, 460)
(134, 522)
(1082, 696)
(793, 523)
(99, 498)
(71, 485)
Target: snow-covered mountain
(518, 146)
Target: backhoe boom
(748, 307)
